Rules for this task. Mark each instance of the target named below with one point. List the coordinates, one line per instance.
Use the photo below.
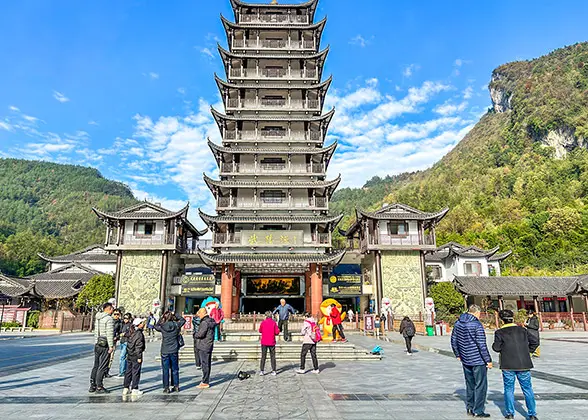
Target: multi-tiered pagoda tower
(272, 235)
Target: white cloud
(449, 108)
(30, 119)
(13, 108)
(360, 41)
(410, 69)
(468, 92)
(206, 52)
(6, 126)
(60, 96)
(182, 91)
(92, 122)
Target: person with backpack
(195, 327)
(515, 345)
(337, 323)
(170, 328)
(311, 335)
(408, 331)
(268, 330)
(103, 347)
(135, 347)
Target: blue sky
(126, 86)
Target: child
(310, 336)
(135, 349)
(269, 330)
(377, 325)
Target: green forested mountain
(46, 207)
(519, 179)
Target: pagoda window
(472, 268)
(144, 229)
(273, 100)
(398, 228)
(435, 272)
(273, 163)
(273, 196)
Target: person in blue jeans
(124, 333)
(468, 341)
(515, 346)
(170, 328)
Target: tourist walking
(311, 335)
(468, 341)
(126, 325)
(116, 327)
(205, 337)
(218, 315)
(532, 324)
(350, 315)
(408, 331)
(195, 326)
(337, 323)
(151, 321)
(103, 347)
(170, 328)
(268, 330)
(284, 311)
(515, 345)
(135, 347)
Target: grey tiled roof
(282, 257)
(269, 85)
(310, 4)
(270, 219)
(269, 184)
(226, 54)
(399, 211)
(320, 25)
(516, 286)
(278, 117)
(62, 282)
(273, 150)
(13, 286)
(94, 253)
(155, 212)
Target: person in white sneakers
(311, 335)
(135, 349)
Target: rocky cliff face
(501, 98)
(563, 140)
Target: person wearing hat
(515, 345)
(135, 349)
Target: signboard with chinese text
(198, 285)
(273, 238)
(345, 285)
(368, 322)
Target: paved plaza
(427, 385)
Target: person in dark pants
(104, 346)
(268, 330)
(515, 345)
(126, 326)
(284, 311)
(309, 340)
(408, 330)
(337, 323)
(468, 341)
(205, 337)
(533, 327)
(195, 326)
(117, 328)
(170, 328)
(135, 349)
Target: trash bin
(430, 330)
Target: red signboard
(188, 324)
(368, 322)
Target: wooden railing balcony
(402, 240)
(273, 135)
(281, 103)
(268, 73)
(235, 238)
(143, 240)
(272, 168)
(273, 19)
(275, 44)
(227, 203)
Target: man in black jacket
(533, 327)
(205, 343)
(515, 346)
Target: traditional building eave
(329, 186)
(500, 257)
(409, 214)
(318, 219)
(128, 214)
(311, 5)
(328, 151)
(15, 286)
(324, 119)
(517, 286)
(255, 259)
(322, 87)
(228, 55)
(69, 258)
(318, 26)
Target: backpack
(410, 332)
(377, 351)
(316, 332)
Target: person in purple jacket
(468, 341)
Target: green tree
(97, 291)
(447, 299)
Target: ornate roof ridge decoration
(213, 184)
(386, 213)
(310, 4)
(65, 268)
(500, 256)
(71, 256)
(269, 55)
(466, 250)
(332, 258)
(322, 86)
(211, 220)
(325, 117)
(131, 213)
(216, 149)
(517, 286)
(320, 25)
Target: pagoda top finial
(274, 2)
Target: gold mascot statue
(326, 320)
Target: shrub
(10, 324)
(520, 316)
(447, 299)
(33, 319)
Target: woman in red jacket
(337, 323)
(269, 330)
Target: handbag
(181, 341)
(102, 342)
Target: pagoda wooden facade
(272, 197)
